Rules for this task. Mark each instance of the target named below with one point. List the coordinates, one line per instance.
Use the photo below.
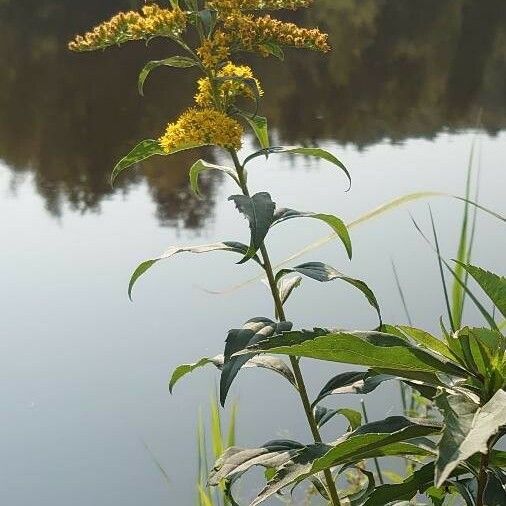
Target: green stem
(482, 480)
(301, 386)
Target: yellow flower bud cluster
(232, 81)
(152, 21)
(215, 50)
(251, 33)
(254, 5)
(197, 127)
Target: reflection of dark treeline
(399, 69)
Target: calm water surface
(406, 92)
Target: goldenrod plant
(463, 373)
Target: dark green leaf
(296, 150)
(200, 166)
(142, 151)
(383, 438)
(324, 273)
(468, 428)
(274, 49)
(492, 284)
(252, 331)
(495, 489)
(173, 61)
(353, 382)
(372, 349)
(259, 210)
(333, 222)
(235, 247)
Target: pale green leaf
(173, 61)
(201, 165)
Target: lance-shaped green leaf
(377, 439)
(323, 415)
(259, 210)
(297, 150)
(468, 429)
(371, 349)
(145, 149)
(495, 489)
(173, 61)
(259, 126)
(352, 382)
(253, 331)
(236, 461)
(492, 284)
(200, 166)
(285, 288)
(324, 273)
(333, 222)
(263, 361)
(427, 340)
(234, 247)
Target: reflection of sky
(84, 371)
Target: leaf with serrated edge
(259, 210)
(468, 428)
(297, 150)
(492, 284)
(235, 247)
(200, 166)
(372, 349)
(336, 224)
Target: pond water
(407, 92)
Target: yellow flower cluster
(197, 127)
(215, 49)
(151, 22)
(253, 5)
(233, 81)
(251, 33)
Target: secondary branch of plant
(301, 386)
(482, 480)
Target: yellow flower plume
(233, 81)
(152, 21)
(198, 127)
(254, 5)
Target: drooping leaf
(274, 49)
(259, 126)
(252, 332)
(371, 349)
(333, 222)
(259, 210)
(234, 247)
(492, 284)
(297, 150)
(236, 461)
(323, 415)
(352, 382)
(200, 166)
(263, 361)
(173, 61)
(324, 273)
(383, 438)
(286, 286)
(468, 428)
(145, 149)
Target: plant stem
(482, 480)
(376, 463)
(301, 386)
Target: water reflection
(399, 69)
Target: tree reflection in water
(398, 70)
